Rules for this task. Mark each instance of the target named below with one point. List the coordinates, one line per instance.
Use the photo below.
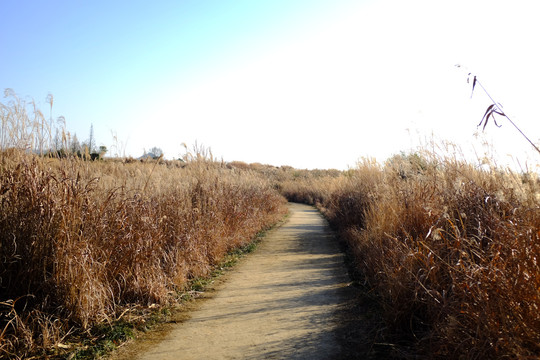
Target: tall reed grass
(82, 241)
(24, 126)
(451, 251)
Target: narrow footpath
(288, 300)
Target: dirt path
(288, 300)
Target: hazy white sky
(312, 84)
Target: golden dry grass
(80, 241)
(451, 251)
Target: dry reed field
(450, 251)
(82, 243)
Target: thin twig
(501, 112)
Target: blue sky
(316, 84)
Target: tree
(155, 152)
(58, 147)
(102, 151)
(57, 141)
(91, 140)
(75, 146)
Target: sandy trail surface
(287, 300)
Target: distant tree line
(24, 126)
(70, 145)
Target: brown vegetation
(80, 241)
(452, 252)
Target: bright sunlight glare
(309, 84)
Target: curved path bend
(287, 300)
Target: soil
(290, 299)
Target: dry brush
(82, 241)
(451, 251)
